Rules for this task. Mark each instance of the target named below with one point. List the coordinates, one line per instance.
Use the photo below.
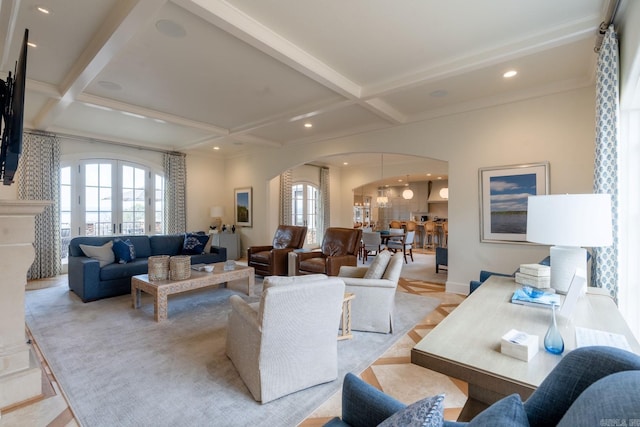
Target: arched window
(304, 209)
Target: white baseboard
(457, 288)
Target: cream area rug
(118, 367)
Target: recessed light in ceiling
(509, 74)
(440, 93)
(345, 163)
(171, 28)
(216, 148)
(32, 44)
(43, 9)
(308, 125)
(138, 116)
(109, 85)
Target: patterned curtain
(325, 201)
(604, 269)
(175, 200)
(39, 179)
(286, 214)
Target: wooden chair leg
(411, 253)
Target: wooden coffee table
(161, 289)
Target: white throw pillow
(378, 266)
(104, 254)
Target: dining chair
(445, 233)
(371, 244)
(395, 224)
(430, 234)
(405, 245)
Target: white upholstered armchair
(288, 341)
(375, 290)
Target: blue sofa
(590, 386)
(91, 282)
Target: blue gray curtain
(604, 271)
(286, 212)
(39, 179)
(175, 197)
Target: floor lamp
(569, 222)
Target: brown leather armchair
(272, 260)
(340, 247)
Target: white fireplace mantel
(20, 375)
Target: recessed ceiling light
(138, 116)
(345, 163)
(109, 85)
(509, 74)
(42, 10)
(308, 125)
(32, 44)
(159, 121)
(171, 28)
(99, 107)
(216, 148)
(428, 174)
(400, 180)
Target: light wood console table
(466, 344)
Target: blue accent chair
(587, 386)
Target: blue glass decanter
(553, 341)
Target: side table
(346, 316)
(230, 241)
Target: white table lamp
(217, 212)
(569, 221)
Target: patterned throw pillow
(194, 243)
(378, 266)
(124, 251)
(427, 412)
(104, 254)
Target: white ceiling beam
(123, 23)
(226, 17)
(8, 17)
(152, 114)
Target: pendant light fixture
(382, 200)
(407, 194)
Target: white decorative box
(519, 345)
(535, 270)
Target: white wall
(557, 128)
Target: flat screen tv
(12, 105)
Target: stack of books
(535, 275)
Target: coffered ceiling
(191, 75)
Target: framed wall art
(242, 207)
(504, 191)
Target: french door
(111, 197)
(305, 209)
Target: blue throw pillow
(124, 250)
(507, 411)
(194, 243)
(427, 412)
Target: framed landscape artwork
(242, 207)
(504, 192)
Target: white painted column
(20, 375)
